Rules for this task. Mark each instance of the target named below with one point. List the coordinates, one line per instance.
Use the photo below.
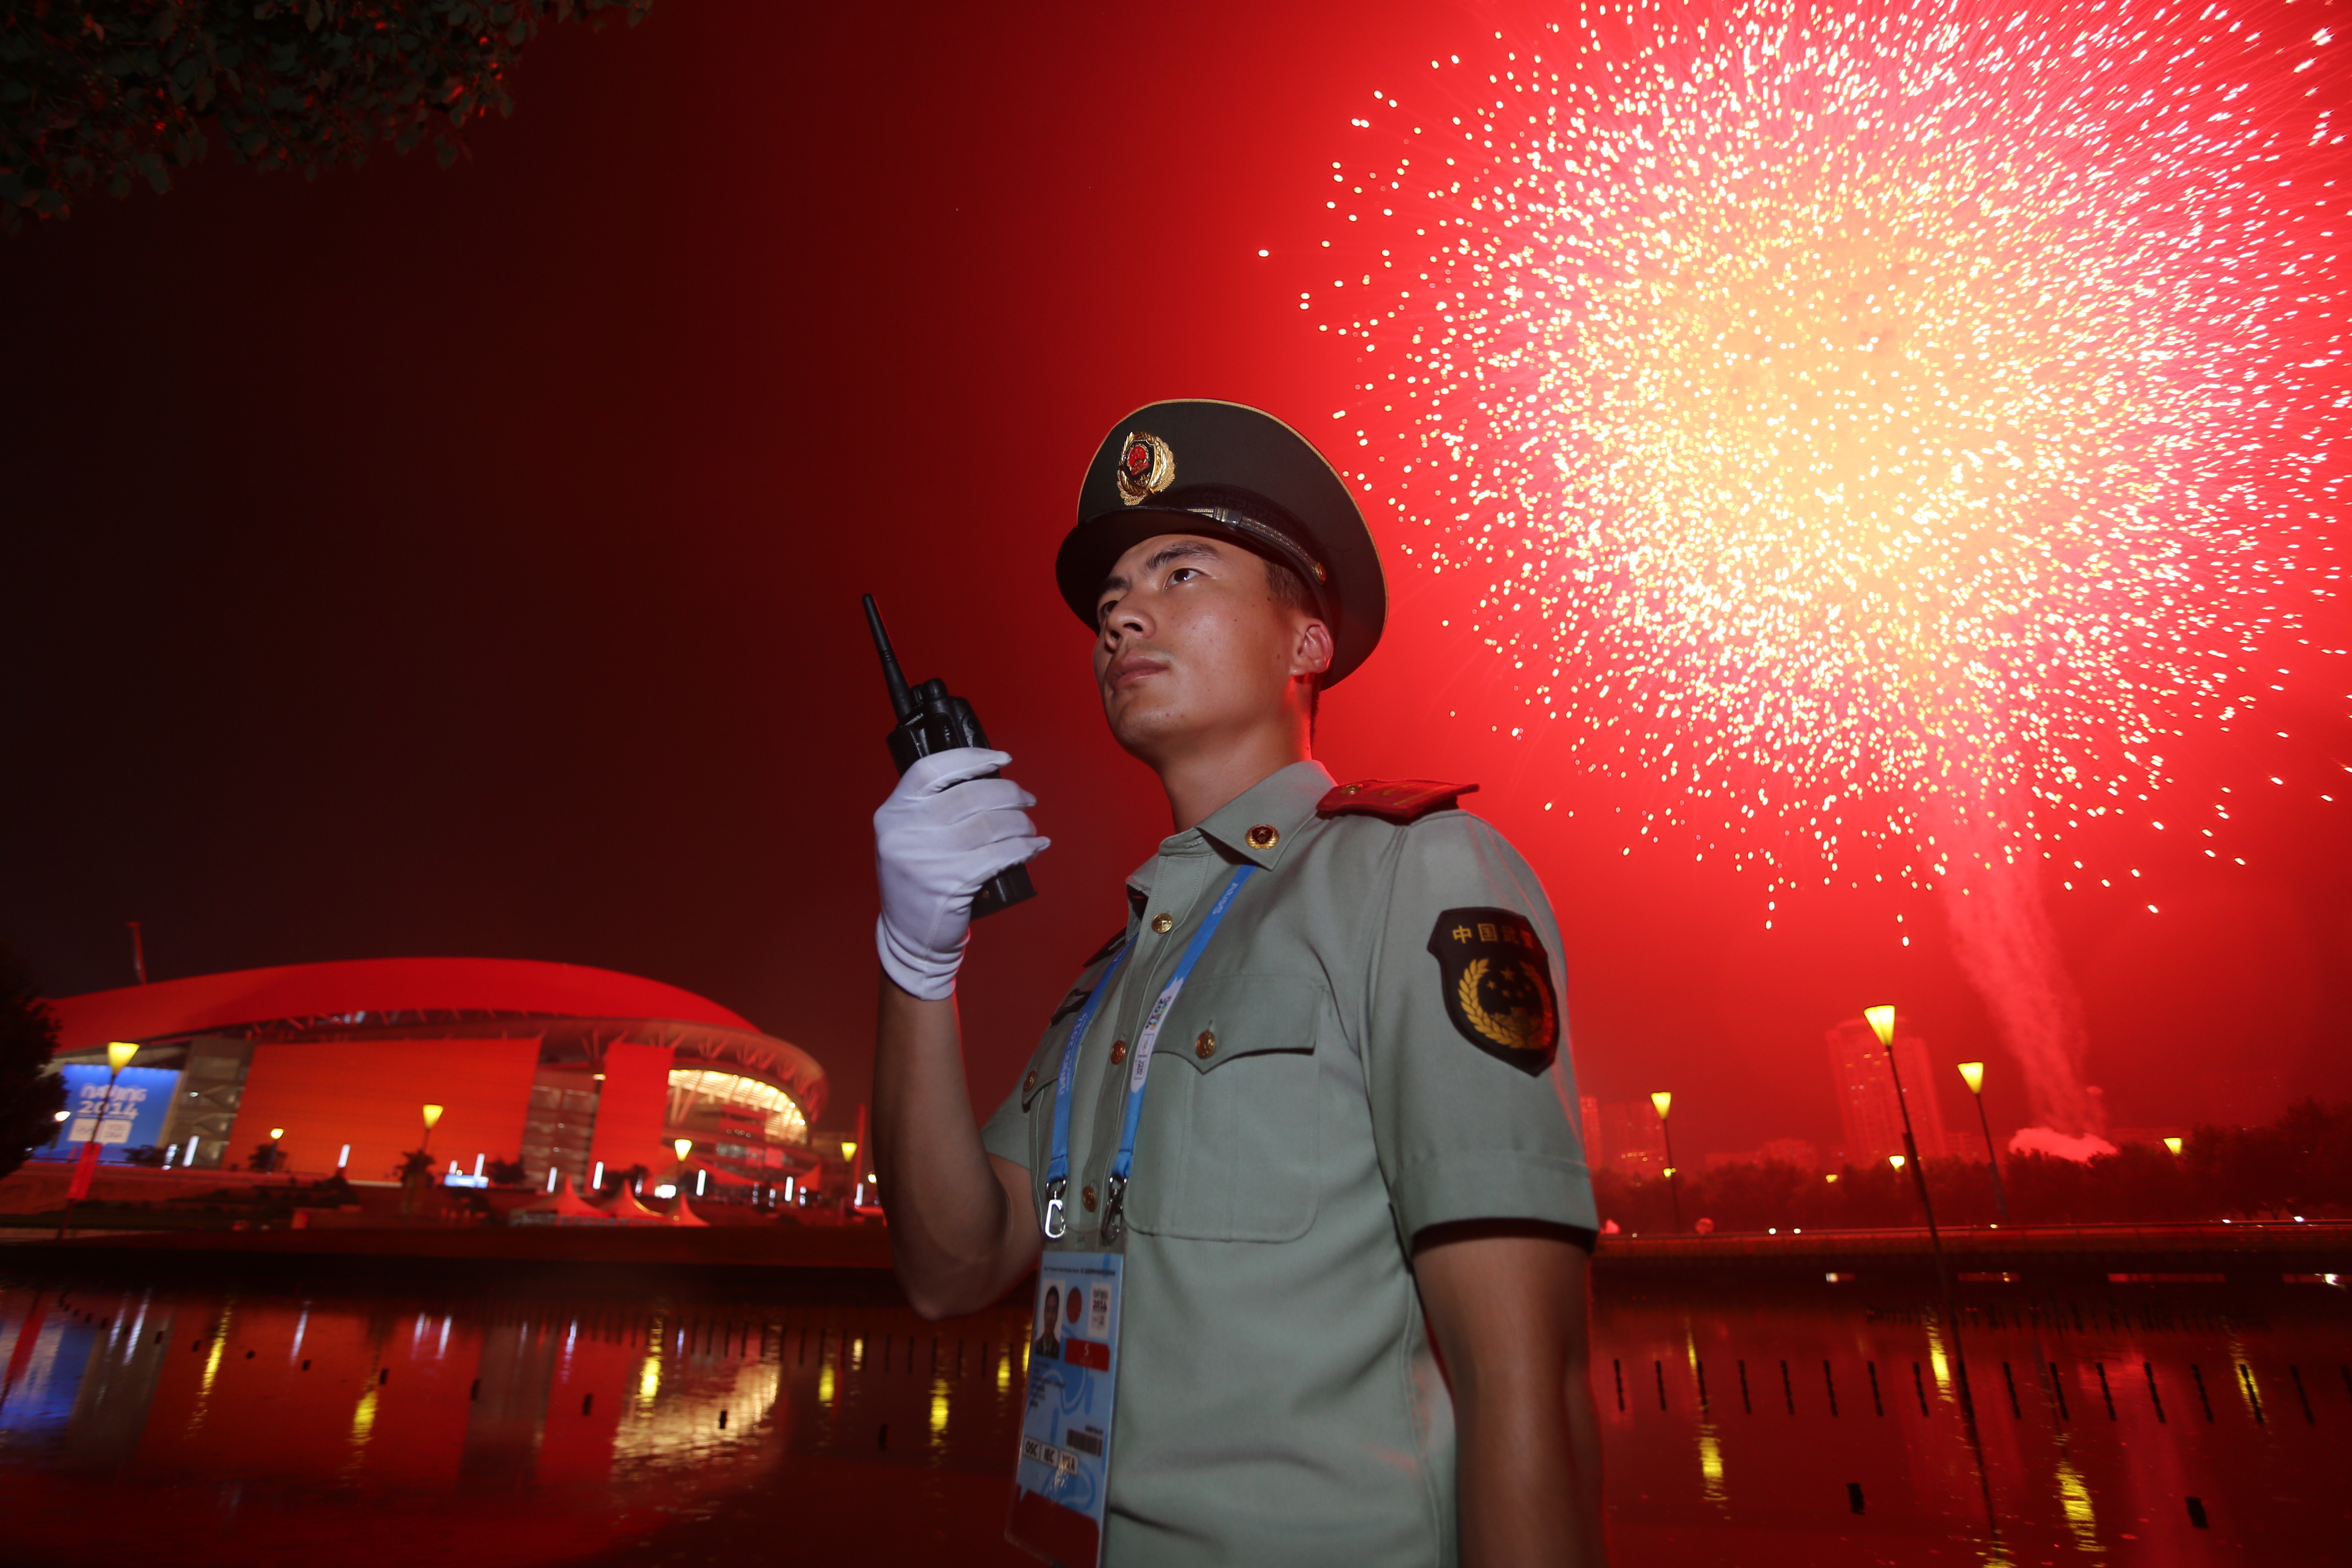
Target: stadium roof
(417, 998)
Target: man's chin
(1146, 731)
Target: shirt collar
(1285, 801)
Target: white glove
(942, 834)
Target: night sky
(419, 561)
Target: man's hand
(942, 834)
(1507, 1304)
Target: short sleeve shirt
(1319, 1094)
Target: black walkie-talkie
(931, 721)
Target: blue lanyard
(1057, 1168)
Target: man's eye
(1182, 573)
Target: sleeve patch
(1394, 800)
(1496, 981)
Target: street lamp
(118, 1057)
(276, 1153)
(1882, 1024)
(2172, 1145)
(1972, 1074)
(432, 1120)
(1665, 1100)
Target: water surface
(515, 1426)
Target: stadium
(330, 1067)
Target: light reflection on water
(505, 1427)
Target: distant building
(555, 1067)
(1865, 1092)
(1633, 1139)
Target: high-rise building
(1865, 1092)
(1632, 1138)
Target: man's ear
(1311, 654)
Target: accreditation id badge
(1064, 1478)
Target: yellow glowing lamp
(431, 1117)
(1895, 1160)
(119, 1054)
(2172, 1144)
(275, 1133)
(1830, 1177)
(684, 1146)
(849, 1148)
(1664, 1100)
(1667, 1171)
(1882, 1022)
(1972, 1074)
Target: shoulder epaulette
(1394, 800)
(1109, 946)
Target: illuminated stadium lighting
(784, 1121)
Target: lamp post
(1882, 1024)
(432, 1120)
(276, 1153)
(684, 1146)
(118, 1057)
(1665, 1099)
(1972, 1074)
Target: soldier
(1305, 1116)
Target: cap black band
(1294, 554)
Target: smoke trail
(2005, 943)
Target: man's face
(1193, 646)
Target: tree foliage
(2300, 1164)
(30, 1094)
(108, 93)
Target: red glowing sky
(421, 561)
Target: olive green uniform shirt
(1311, 1105)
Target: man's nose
(1125, 620)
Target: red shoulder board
(1396, 800)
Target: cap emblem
(1146, 466)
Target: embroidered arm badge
(1496, 981)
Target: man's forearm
(957, 1240)
(1507, 1305)
(1527, 1469)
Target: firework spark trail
(1889, 432)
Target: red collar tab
(1395, 800)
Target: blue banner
(143, 1098)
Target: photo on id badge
(1062, 1480)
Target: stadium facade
(560, 1066)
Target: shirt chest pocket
(1231, 1144)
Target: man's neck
(1205, 778)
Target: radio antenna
(902, 701)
